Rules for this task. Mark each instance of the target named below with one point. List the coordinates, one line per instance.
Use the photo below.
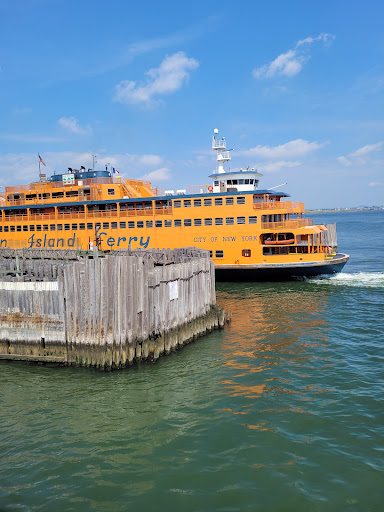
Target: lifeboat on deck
(280, 242)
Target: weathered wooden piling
(108, 311)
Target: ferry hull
(280, 271)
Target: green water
(282, 411)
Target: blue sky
(296, 88)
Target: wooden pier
(104, 310)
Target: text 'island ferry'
(251, 234)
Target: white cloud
(376, 184)
(170, 76)
(162, 174)
(320, 37)
(344, 161)
(287, 64)
(366, 149)
(356, 156)
(72, 124)
(290, 63)
(292, 149)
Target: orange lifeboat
(280, 242)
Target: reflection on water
(280, 327)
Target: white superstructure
(230, 181)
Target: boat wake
(357, 280)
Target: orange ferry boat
(251, 234)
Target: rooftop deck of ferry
(112, 198)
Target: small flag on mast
(115, 171)
(41, 160)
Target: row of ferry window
(218, 201)
(218, 221)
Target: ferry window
(187, 222)
(105, 225)
(219, 254)
(229, 182)
(210, 254)
(246, 182)
(72, 193)
(1, 228)
(18, 228)
(67, 227)
(123, 207)
(131, 207)
(218, 201)
(167, 223)
(158, 223)
(139, 206)
(241, 182)
(219, 221)
(45, 227)
(241, 200)
(207, 202)
(197, 202)
(89, 225)
(229, 200)
(252, 220)
(12, 228)
(207, 222)
(149, 224)
(52, 227)
(123, 225)
(82, 225)
(25, 228)
(216, 183)
(113, 225)
(131, 224)
(246, 253)
(74, 227)
(57, 195)
(6, 229)
(111, 191)
(177, 204)
(187, 203)
(140, 224)
(251, 182)
(241, 220)
(59, 227)
(197, 222)
(148, 206)
(38, 227)
(234, 182)
(229, 221)
(177, 223)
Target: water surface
(282, 411)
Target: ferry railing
(287, 224)
(198, 189)
(219, 144)
(289, 206)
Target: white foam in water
(358, 279)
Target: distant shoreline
(333, 210)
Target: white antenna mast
(223, 154)
(277, 186)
